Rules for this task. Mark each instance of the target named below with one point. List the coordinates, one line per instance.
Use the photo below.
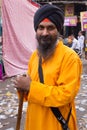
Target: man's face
(79, 33)
(46, 35)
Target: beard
(46, 45)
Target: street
(9, 103)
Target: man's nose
(45, 31)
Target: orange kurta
(61, 73)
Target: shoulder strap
(40, 71)
(60, 118)
(55, 110)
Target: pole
(20, 110)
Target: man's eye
(40, 28)
(51, 28)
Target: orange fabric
(46, 20)
(61, 74)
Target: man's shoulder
(70, 54)
(34, 53)
(65, 50)
(82, 37)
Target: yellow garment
(61, 73)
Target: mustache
(45, 38)
(46, 45)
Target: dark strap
(60, 118)
(56, 112)
(40, 71)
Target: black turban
(52, 12)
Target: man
(81, 40)
(75, 44)
(68, 41)
(61, 74)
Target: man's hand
(22, 83)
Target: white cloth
(75, 44)
(81, 41)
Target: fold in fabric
(18, 35)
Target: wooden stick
(20, 110)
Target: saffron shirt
(61, 72)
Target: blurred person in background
(75, 45)
(81, 40)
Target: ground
(9, 103)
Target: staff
(20, 110)
(19, 116)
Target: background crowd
(77, 44)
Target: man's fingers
(14, 83)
